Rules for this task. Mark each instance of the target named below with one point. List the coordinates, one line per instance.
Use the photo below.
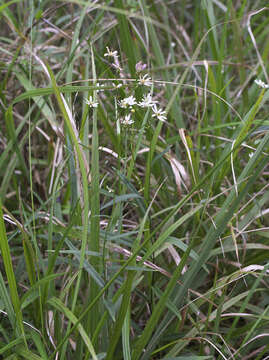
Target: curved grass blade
(57, 304)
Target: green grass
(130, 230)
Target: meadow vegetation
(134, 198)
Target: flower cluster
(129, 103)
(147, 102)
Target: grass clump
(133, 170)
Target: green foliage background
(140, 240)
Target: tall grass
(133, 170)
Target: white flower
(158, 113)
(117, 86)
(99, 86)
(262, 84)
(91, 102)
(111, 53)
(147, 101)
(129, 101)
(127, 121)
(145, 80)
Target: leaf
(56, 303)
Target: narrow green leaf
(57, 304)
(6, 255)
(12, 135)
(120, 198)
